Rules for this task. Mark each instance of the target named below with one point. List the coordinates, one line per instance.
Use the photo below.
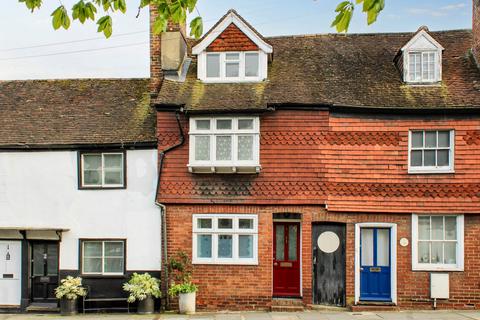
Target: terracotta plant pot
(68, 307)
(186, 302)
(146, 306)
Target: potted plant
(144, 288)
(180, 268)
(68, 292)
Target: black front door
(328, 243)
(44, 270)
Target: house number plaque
(375, 269)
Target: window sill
(431, 171)
(103, 276)
(233, 80)
(102, 188)
(253, 169)
(224, 263)
(438, 268)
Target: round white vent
(328, 242)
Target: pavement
(307, 315)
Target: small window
(224, 143)
(225, 239)
(437, 242)
(103, 257)
(102, 170)
(232, 66)
(422, 66)
(431, 151)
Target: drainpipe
(163, 211)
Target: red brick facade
(224, 287)
(232, 39)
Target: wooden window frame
(432, 169)
(103, 273)
(222, 78)
(103, 186)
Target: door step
(38, 307)
(287, 305)
(374, 306)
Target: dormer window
(232, 52)
(232, 66)
(422, 59)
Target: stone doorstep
(361, 307)
(287, 305)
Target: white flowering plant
(70, 288)
(140, 286)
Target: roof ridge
(73, 79)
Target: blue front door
(375, 262)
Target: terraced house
(322, 169)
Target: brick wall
(476, 29)
(352, 163)
(232, 39)
(224, 287)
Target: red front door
(286, 259)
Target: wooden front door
(328, 243)
(286, 259)
(44, 270)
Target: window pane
(450, 228)
(224, 124)
(429, 159)
(251, 64)
(443, 158)
(245, 246)
(92, 249)
(202, 124)
(92, 161)
(424, 228)
(204, 246)
(224, 148)
(225, 223)
(245, 223)
(232, 56)
(383, 247)
(417, 139)
(224, 246)
(113, 161)
(202, 148)
(92, 265)
(232, 69)
(367, 247)
(204, 223)
(437, 228)
(113, 265)
(113, 249)
(38, 262)
(245, 148)
(437, 252)
(245, 124)
(424, 252)
(416, 158)
(292, 243)
(443, 139)
(450, 252)
(92, 177)
(114, 177)
(213, 65)
(430, 139)
(52, 257)
(279, 242)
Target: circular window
(328, 242)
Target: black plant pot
(146, 306)
(68, 307)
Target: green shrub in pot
(143, 288)
(69, 290)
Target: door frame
(299, 221)
(30, 263)
(393, 256)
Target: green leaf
(60, 18)
(160, 24)
(341, 6)
(344, 16)
(32, 4)
(105, 26)
(196, 27)
(191, 5)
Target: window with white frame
(103, 257)
(102, 170)
(437, 242)
(431, 151)
(232, 66)
(422, 66)
(224, 141)
(225, 239)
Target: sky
(31, 49)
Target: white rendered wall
(39, 190)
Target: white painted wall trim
(393, 253)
